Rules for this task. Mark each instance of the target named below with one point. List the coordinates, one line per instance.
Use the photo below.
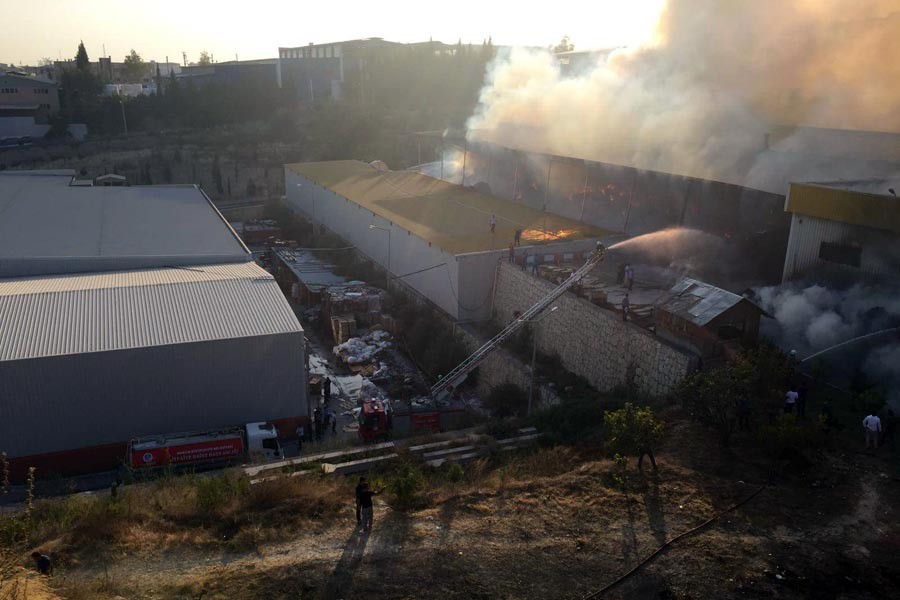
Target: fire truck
(373, 420)
(256, 440)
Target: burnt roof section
(700, 302)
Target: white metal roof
(48, 226)
(101, 312)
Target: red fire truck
(373, 422)
(204, 447)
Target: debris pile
(362, 350)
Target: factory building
(132, 311)
(849, 228)
(433, 236)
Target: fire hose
(655, 553)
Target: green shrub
(507, 400)
(214, 492)
(570, 421)
(405, 484)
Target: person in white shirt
(790, 401)
(872, 425)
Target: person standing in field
(518, 238)
(493, 222)
(360, 486)
(790, 401)
(629, 276)
(366, 507)
(872, 426)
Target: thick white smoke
(701, 97)
(810, 318)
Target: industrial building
(132, 311)
(433, 236)
(844, 227)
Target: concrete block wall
(590, 341)
(501, 367)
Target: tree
(633, 431)
(752, 383)
(564, 45)
(81, 58)
(205, 59)
(135, 68)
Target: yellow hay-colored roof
(849, 205)
(454, 218)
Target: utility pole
(124, 121)
(184, 57)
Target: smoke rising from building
(809, 318)
(701, 98)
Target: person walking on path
(629, 277)
(366, 508)
(493, 222)
(872, 425)
(790, 401)
(360, 486)
(626, 306)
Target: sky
(53, 28)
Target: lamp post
(387, 278)
(534, 355)
(124, 121)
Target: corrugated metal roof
(48, 226)
(314, 273)
(847, 202)
(100, 312)
(453, 217)
(699, 302)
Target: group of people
(323, 419)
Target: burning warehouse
(442, 240)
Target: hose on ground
(653, 555)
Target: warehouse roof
(862, 202)
(700, 302)
(452, 217)
(102, 312)
(48, 226)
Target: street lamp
(387, 279)
(534, 338)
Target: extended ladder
(448, 383)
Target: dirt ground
(556, 524)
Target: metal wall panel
(67, 402)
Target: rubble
(362, 350)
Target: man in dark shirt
(365, 505)
(42, 561)
(359, 487)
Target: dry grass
(176, 511)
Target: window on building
(842, 254)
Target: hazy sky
(52, 28)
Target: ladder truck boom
(445, 386)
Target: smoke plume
(810, 318)
(702, 96)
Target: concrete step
(356, 466)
